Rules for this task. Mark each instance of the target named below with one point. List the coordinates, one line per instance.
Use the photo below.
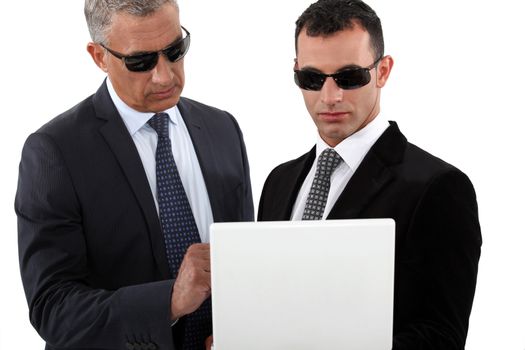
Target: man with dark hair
(116, 195)
(363, 167)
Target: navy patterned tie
(316, 200)
(178, 226)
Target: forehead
(129, 33)
(329, 53)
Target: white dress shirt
(145, 139)
(352, 150)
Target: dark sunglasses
(346, 79)
(146, 61)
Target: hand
(209, 342)
(193, 283)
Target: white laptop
(303, 285)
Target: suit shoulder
(430, 169)
(290, 165)
(220, 121)
(204, 109)
(70, 121)
(416, 155)
(281, 177)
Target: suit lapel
(372, 175)
(120, 142)
(284, 193)
(205, 154)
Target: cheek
(358, 99)
(133, 90)
(135, 87)
(311, 99)
(137, 84)
(128, 82)
(179, 72)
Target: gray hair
(99, 13)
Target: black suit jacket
(91, 249)
(438, 236)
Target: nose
(330, 92)
(163, 73)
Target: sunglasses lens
(348, 79)
(141, 63)
(308, 80)
(178, 50)
(352, 78)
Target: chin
(335, 133)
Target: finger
(194, 272)
(197, 264)
(209, 342)
(197, 257)
(198, 251)
(199, 247)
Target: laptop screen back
(303, 284)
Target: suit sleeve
(445, 236)
(247, 198)
(263, 210)
(65, 310)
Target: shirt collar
(354, 148)
(133, 119)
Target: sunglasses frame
(336, 75)
(186, 39)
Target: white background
(455, 90)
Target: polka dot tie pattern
(178, 226)
(316, 201)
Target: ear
(295, 66)
(383, 70)
(98, 54)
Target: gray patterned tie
(178, 226)
(315, 203)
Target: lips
(332, 116)
(164, 93)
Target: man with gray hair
(115, 196)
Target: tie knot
(328, 160)
(160, 122)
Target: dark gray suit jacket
(91, 249)
(438, 237)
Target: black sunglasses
(346, 79)
(146, 61)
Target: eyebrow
(348, 66)
(139, 53)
